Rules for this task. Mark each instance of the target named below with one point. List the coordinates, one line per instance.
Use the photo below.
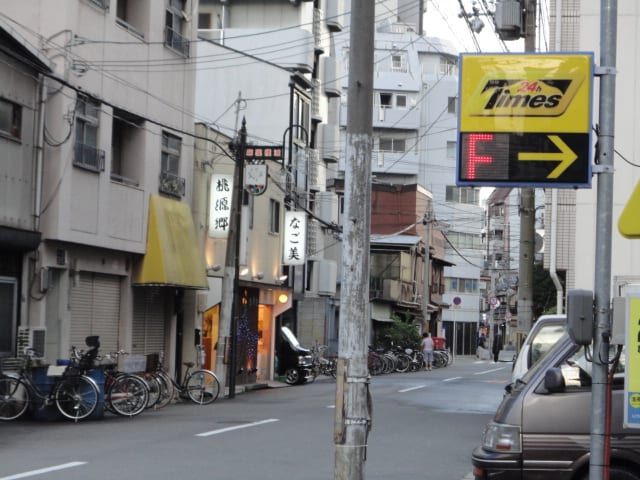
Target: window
(451, 105)
(174, 27)
(386, 100)
(104, 4)
(465, 240)
(274, 216)
(302, 116)
(10, 119)
(468, 195)
(86, 152)
(461, 285)
(127, 141)
(398, 63)
(391, 144)
(451, 150)
(448, 66)
(401, 101)
(170, 182)
(204, 21)
(130, 15)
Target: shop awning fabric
(173, 256)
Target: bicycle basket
(12, 364)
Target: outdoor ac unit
(33, 338)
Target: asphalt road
(425, 425)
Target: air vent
(32, 337)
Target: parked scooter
(294, 361)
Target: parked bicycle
(201, 386)
(320, 364)
(124, 394)
(75, 395)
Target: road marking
(331, 406)
(489, 371)
(404, 390)
(237, 427)
(40, 471)
(451, 379)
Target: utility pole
(231, 280)
(527, 209)
(353, 401)
(604, 209)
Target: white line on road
(411, 388)
(40, 471)
(451, 379)
(237, 427)
(489, 371)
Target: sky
(442, 20)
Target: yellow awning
(173, 256)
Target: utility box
(580, 316)
(509, 19)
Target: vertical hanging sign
(295, 236)
(220, 205)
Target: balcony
(88, 157)
(175, 41)
(397, 291)
(171, 184)
(384, 117)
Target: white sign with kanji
(295, 238)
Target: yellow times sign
(512, 93)
(632, 364)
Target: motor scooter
(295, 362)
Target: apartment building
(414, 128)
(272, 65)
(118, 255)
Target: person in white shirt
(427, 349)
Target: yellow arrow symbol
(566, 156)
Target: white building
(119, 256)
(577, 211)
(414, 129)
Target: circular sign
(493, 301)
(457, 301)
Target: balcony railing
(88, 157)
(175, 41)
(171, 184)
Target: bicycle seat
(189, 364)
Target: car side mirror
(554, 380)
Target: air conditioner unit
(33, 338)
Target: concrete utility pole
(527, 210)
(230, 282)
(604, 208)
(353, 406)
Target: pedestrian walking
(427, 349)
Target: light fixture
(283, 278)
(258, 276)
(243, 270)
(214, 268)
(283, 298)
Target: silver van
(541, 430)
(545, 332)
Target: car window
(544, 340)
(576, 369)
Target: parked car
(542, 427)
(294, 361)
(544, 333)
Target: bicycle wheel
(14, 398)
(167, 389)
(153, 385)
(203, 387)
(76, 397)
(128, 395)
(403, 361)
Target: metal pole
(353, 408)
(527, 210)
(602, 286)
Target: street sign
(525, 120)
(629, 221)
(263, 152)
(632, 363)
